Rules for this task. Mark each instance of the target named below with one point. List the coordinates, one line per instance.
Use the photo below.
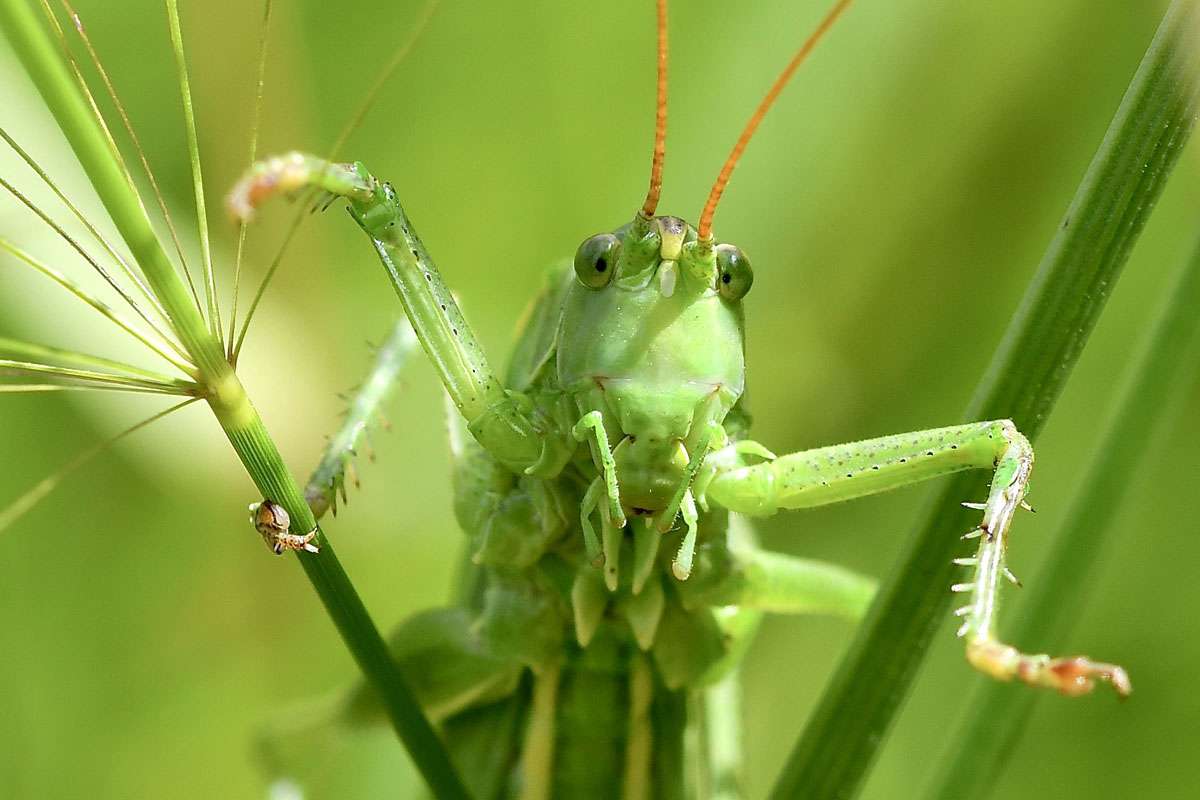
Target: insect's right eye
(596, 260)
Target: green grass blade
(72, 375)
(259, 85)
(42, 352)
(224, 392)
(119, 107)
(126, 270)
(162, 350)
(193, 145)
(414, 34)
(1027, 373)
(995, 714)
(13, 511)
(107, 177)
(96, 266)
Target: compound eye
(734, 276)
(596, 260)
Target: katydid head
(651, 336)
(651, 333)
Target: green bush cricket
(611, 418)
(596, 484)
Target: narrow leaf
(1047, 610)
(1027, 373)
(42, 352)
(14, 510)
(226, 396)
(193, 144)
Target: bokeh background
(895, 204)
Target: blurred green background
(895, 203)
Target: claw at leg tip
(1076, 676)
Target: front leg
(842, 472)
(499, 419)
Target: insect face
(272, 521)
(652, 336)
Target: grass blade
(1166, 363)
(96, 266)
(225, 393)
(1024, 380)
(259, 84)
(31, 350)
(119, 106)
(94, 378)
(83, 220)
(193, 145)
(14, 510)
(381, 80)
(97, 304)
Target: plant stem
(1166, 362)
(1025, 378)
(224, 391)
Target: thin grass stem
(226, 395)
(372, 96)
(193, 145)
(75, 358)
(259, 84)
(21, 388)
(95, 265)
(40, 388)
(62, 280)
(100, 239)
(297, 220)
(115, 98)
(93, 377)
(368, 102)
(31, 497)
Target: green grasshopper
(612, 583)
(604, 480)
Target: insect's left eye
(734, 276)
(596, 260)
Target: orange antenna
(660, 118)
(704, 230)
